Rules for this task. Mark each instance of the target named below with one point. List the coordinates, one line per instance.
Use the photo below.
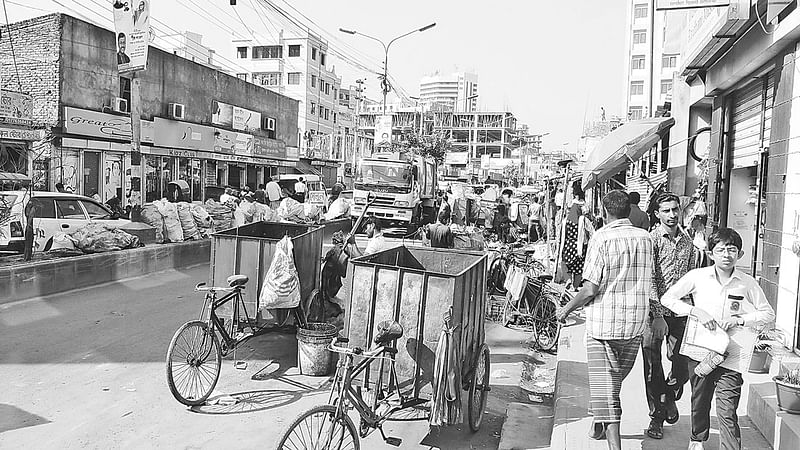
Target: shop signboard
(21, 134)
(662, 5)
(456, 158)
(238, 118)
(16, 108)
(293, 153)
(269, 148)
(85, 122)
(224, 141)
(185, 135)
(132, 26)
(244, 144)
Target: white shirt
(377, 243)
(559, 199)
(273, 191)
(225, 198)
(712, 297)
(300, 187)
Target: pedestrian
(501, 223)
(376, 243)
(260, 208)
(336, 190)
(31, 209)
(227, 196)
(440, 234)
(274, 192)
(714, 289)
(535, 221)
(616, 290)
(300, 190)
(576, 230)
(673, 257)
(638, 217)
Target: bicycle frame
(229, 342)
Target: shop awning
(305, 167)
(623, 145)
(10, 176)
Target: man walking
(616, 289)
(673, 257)
(535, 221)
(638, 217)
(274, 192)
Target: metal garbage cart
(419, 287)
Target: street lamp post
(385, 81)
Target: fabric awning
(306, 168)
(623, 145)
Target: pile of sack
(221, 214)
(338, 209)
(177, 222)
(96, 238)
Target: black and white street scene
(437, 225)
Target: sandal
(598, 431)
(655, 430)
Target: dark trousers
(534, 231)
(726, 385)
(656, 384)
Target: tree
(511, 173)
(434, 145)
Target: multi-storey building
(190, 46)
(454, 92)
(295, 63)
(652, 57)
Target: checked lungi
(609, 362)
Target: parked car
(56, 212)
(317, 194)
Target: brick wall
(36, 46)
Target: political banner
(132, 25)
(241, 119)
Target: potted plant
(787, 387)
(762, 352)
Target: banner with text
(662, 5)
(132, 25)
(16, 108)
(241, 119)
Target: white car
(56, 213)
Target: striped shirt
(672, 259)
(619, 261)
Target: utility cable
(13, 53)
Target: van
(56, 213)
(317, 194)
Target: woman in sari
(576, 230)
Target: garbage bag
(281, 286)
(96, 238)
(339, 208)
(202, 220)
(291, 210)
(312, 212)
(222, 214)
(152, 217)
(172, 225)
(186, 218)
(63, 241)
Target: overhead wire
(13, 53)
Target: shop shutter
(747, 122)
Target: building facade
(190, 46)
(197, 124)
(454, 92)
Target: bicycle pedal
(393, 441)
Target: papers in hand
(738, 344)
(698, 335)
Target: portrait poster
(132, 26)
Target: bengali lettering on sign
(20, 134)
(269, 148)
(238, 118)
(662, 5)
(16, 106)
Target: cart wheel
(546, 326)
(479, 389)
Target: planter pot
(788, 396)
(760, 362)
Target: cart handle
(203, 288)
(373, 353)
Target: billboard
(132, 26)
(662, 5)
(383, 129)
(16, 107)
(241, 119)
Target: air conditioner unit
(176, 110)
(120, 105)
(268, 123)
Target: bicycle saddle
(388, 330)
(237, 280)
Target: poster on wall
(16, 107)
(132, 26)
(241, 119)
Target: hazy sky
(552, 63)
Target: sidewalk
(572, 418)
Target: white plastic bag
(281, 286)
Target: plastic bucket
(788, 396)
(313, 356)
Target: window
(326, 114)
(125, 89)
(294, 51)
(45, 208)
(313, 81)
(267, 78)
(321, 85)
(639, 37)
(321, 58)
(334, 117)
(267, 52)
(293, 78)
(637, 87)
(241, 52)
(669, 61)
(639, 11)
(666, 86)
(95, 211)
(271, 127)
(313, 108)
(69, 209)
(327, 89)
(635, 113)
(313, 53)
(241, 76)
(322, 111)
(637, 62)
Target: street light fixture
(385, 81)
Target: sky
(552, 63)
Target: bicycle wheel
(479, 389)
(319, 428)
(497, 276)
(546, 326)
(194, 361)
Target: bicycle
(510, 255)
(535, 310)
(329, 426)
(194, 355)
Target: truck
(404, 185)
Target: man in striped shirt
(617, 279)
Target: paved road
(86, 370)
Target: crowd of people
(638, 285)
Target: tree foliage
(434, 145)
